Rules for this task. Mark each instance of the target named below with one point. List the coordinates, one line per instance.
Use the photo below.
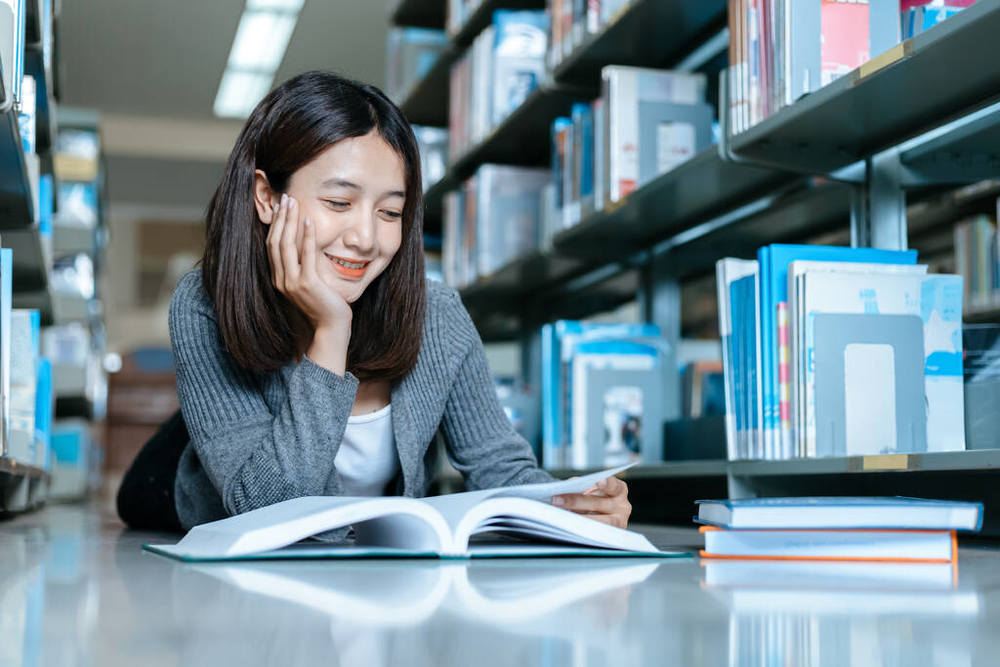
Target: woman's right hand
(291, 247)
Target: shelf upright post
(878, 205)
(660, 304)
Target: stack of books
(836, 528)
(832, 351)
(977, 258)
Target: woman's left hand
(607, 502)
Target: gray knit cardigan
(260, 438)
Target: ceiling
(149, 64)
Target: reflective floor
(76, 589)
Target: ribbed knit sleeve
(253, 456)
(481, 441)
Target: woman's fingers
(308, 251)
(579, 502)
(274, 243)
(289, 251)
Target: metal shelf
(22, 487)
(40, 300)
(926, 462)
(523, 138)
(700, 189)
(32, 258)
(664, 470)
(419, 13)
(914, 87)
(426, 102)
(968, 152)
(17, 208)
(45, 117)
(482, 16)
(624, 40)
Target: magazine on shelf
(441, 526)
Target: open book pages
(394, 526)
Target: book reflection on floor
(398, 593)
(815, 614)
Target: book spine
(784, 384)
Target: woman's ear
(264, 197)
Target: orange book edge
(953, 559)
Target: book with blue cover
(774, 261)
(840, 512)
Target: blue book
(44, 401)
(6, 301)
(583, 120)
(774, 260)
(845, 513)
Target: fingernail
(557, 500)
(307, 222)
(284, 198)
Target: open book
(410, 527)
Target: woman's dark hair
(260, 328)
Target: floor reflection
(816, 614)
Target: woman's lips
(349, 271)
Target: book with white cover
(416, 527)
(843, 512)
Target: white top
(367, 459)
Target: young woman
(312, 356)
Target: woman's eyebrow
(342, 183)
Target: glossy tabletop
(76, 589)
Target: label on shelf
(886, 462)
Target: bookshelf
(22, 487)
(920, 109)
(17, 209)
(624, 39)
(908, 90)
(426, 102)
(417, 13)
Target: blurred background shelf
(17, 196)
(624, 40)
(907, 91)
(418, 13)
(32, 258)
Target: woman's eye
(395, 215)
(338, 205)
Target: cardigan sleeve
(480, 439)
(253, 456)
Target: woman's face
(353, 192)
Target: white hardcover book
(796, 335)
(441, 526)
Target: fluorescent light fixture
(262, 37)
(240, 92)
(261, 40)
(290, 6)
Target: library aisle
(94, 597)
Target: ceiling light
(261, 40)
(240, 92)
(291, 6)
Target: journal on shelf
(441, 526)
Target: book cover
(518, 58)
(727, 271)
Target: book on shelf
(981, 346)
(410, 55)
(781, 50)
(917, 16)
(440, 526)
(495, 76)
(573, 21)
(656, 119)
(25, 329)
(821, 343)
(12, 40)
(6, 343)
(977, 259)
(602, 393)
(433, 143)
(27, 114)
(44, 411)
(494, 219)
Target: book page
(387, 522)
